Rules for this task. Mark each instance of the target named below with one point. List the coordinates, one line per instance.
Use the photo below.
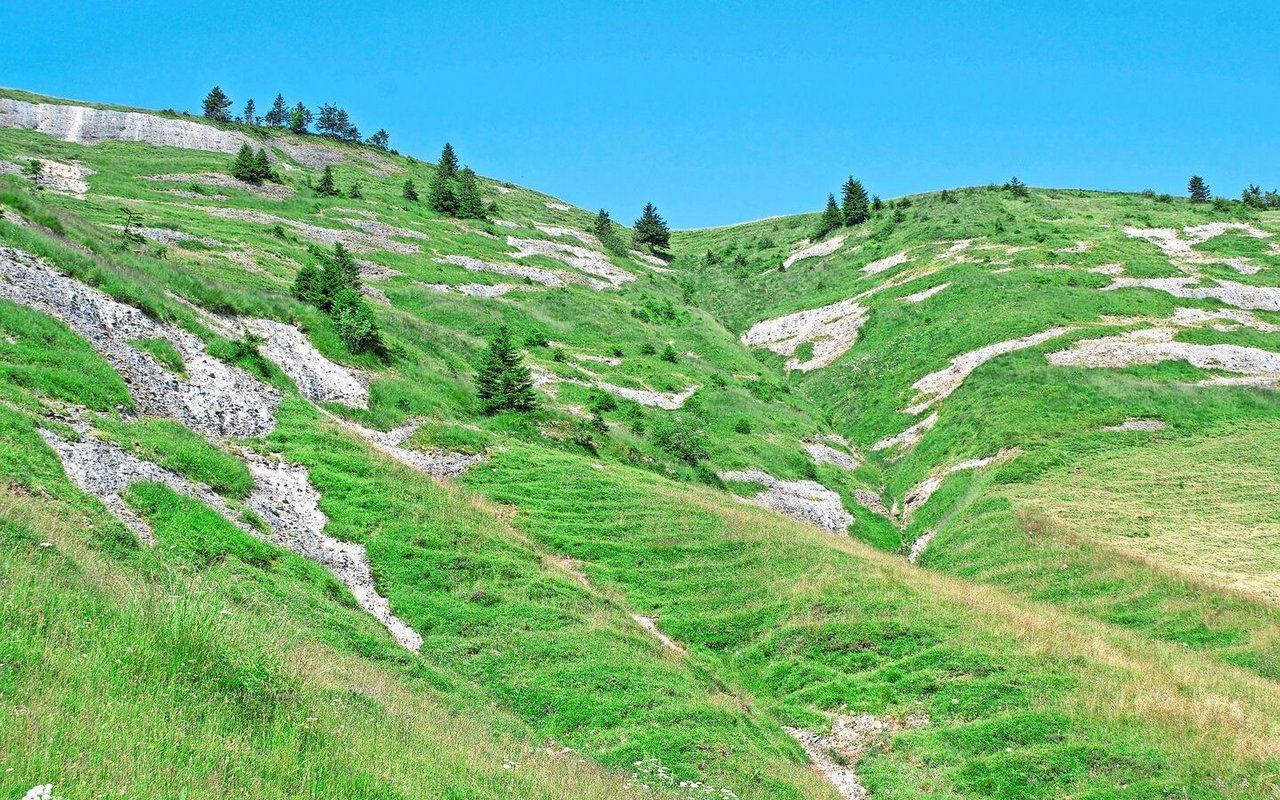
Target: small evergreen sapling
(831, 219)
(503, 382)
(410, 191)
(326, 186)
(470, 204)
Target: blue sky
(717, 112)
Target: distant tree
(380, 139)
(855, 209)
(503, 382)
(244, 167)
(602, 226)
(217, 106)
(354, 321)
(1252, 197)
(651, 229)
(249, 112)
(299, 119)
(326, 186)
(1271, 199)
(876, 203)
(354, 192)
(831, 219)
(668, 354)
(470, 204)
(262, 170)
(129, 229)
(1016, 187)
(410, 191)
(448, 164)
(1198, 190)
(278, 116)
(441, 195)
(334, 121)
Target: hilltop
(975, 498)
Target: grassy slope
(781, 620)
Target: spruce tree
(876, 203)
(299, 119)
(326, 186)
(380, 139)
(832, 218)
(651, 229)
(410, 191)
(354, 192)
(279, 113)
(448, 165)
(602, 227)
(249, 112)
(217, 106)
(855, 209)
(470, 205)
(262, 170)
(243, 168)
(1198, 190)
(442, 196)
(503, 382)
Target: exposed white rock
(356, 240)
(168, 236)
(1153, 345)
(876, 267)
(215, 398)
(835, 756)
(1136, 424)
(437, 463)
(954, 250)
(818, 250)
(589, 239)
(807, 501)
(831, 329)
(937, 385)
(505, 223)
(64, 178)
(545, 277)
(1232, 319)
(592, 262)
(919, 494)
(381, 229)
(319, 379)
(648, 397)
(1181, 248)
(651, 625)
(908, 438)
(1078, 247)
(821, 451)
(86, 125)
(1263, 298)
(925, 294)
(273, 191)
(921, 544)
(873, 503)
(284, 498)
(558, 206)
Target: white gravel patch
(359, 241)
(908, 438)
(271, 191)
(319, 379)
(1231, 319)
(591, 262)
(168, 236)
(925, 294)
(545, 277)
(876, 267)
(919, 494)
(821, 451)
(648, 397)
(1262, 298)
(836, 755)
(64, 178)
(1136, 424)
(558, 206)
(437, 463)
(283, 496)
(807, 501)
(1078, 247)
(832, 330)
(818, 250)
(651, 625)
(1154, 345)
(954, 250)
(938, 385)
(921, 544)
(1180, 247)
(589, 239)
(505, 223)
(215, 398)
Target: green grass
(165, 353)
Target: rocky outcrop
(807, 501)
(86, 125)
(829, 330)
(319, 379)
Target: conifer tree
(448, 165)
(244, 167)
(470, 205)
(354, 192)
(279, 113)
(855, 209)
(410, 191)
(832, 218)
(262, 170)
(503, 382)
(651, 229)
(1198, 190)
(876, 203)
(602, 227)
(442, 196)
(380, 139)
(217, 106)
(326, 186)
(299, 119)
(249, 112)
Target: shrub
(682, 436)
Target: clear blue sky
(717, 112)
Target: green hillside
(973, 499)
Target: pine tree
(1016, 187)
(503, 382)
(326, 186)
(410, 191)
(876, 203)
(380, 139)
(243, 167)
(855, 209)
(602, 227)
(441, 195)
(832, 218)
(279, 113)
(299, 119)
(217, 106)
(1198, 189)
(249, 111)
(651, 229)
(448, 165)
(470, 205)
(262, 170)
(339, 271)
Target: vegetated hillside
(261, 539)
